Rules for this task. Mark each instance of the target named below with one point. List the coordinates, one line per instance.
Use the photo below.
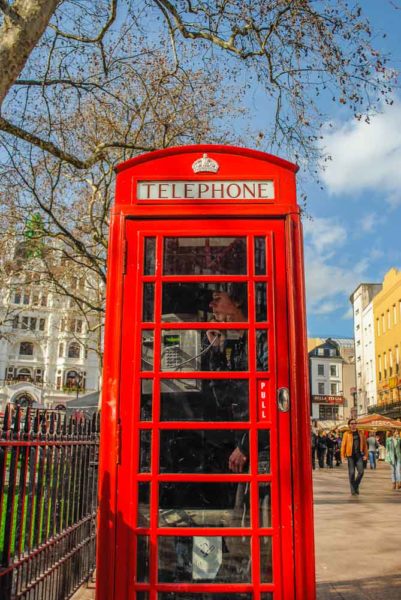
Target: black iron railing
(48, 500)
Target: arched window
(26, 349)
(72, 379)
(24, 375)
(74, 350)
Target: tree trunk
(24, 24)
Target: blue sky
(354, 233)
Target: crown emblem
(205, 164)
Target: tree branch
(101, 34)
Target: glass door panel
(207, 475)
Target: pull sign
(264, 409)
(283, 399)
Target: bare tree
(298, 51)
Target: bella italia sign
(205, 190)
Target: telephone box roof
(196, 148)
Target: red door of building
(200, 481)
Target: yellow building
(387, 319)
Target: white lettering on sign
(263, 401)
(205, 190)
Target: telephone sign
(205, 477)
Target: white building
(49, 351)
(326, 382)
(365, 366)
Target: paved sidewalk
(358, 542)
(358, 547)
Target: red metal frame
(292, 527)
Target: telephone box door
(204, 480)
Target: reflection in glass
(204, 256)
(260, 256)
(143, 504)
(194, 302)
(204, 596)
(148, 302)
(150, 256)
(192, 504)
(142, 559)
(146, 399)
(262, 351)
(264, 504)
(263, 451)
(266, 596)
(147, 350)
(260, 301)
(199, 451)
(266, 566)
(144, 451)
(204, 559)
(204, 400)
(142, 595)
(196, 350)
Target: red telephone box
(205, 475)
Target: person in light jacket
(355, 450)
(393, 458)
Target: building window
(17, 297)
(42, 323)
(43, 300)
(60, 350)
(320, 352)
(26, 349)
(320, 370)
(328, 412)
(333, 370)
(15, 322)
(25, 323)
(333, 389)
(24, 375)
(74, 350)
(32, 323)
(25, 299)
(333, 352)
(320, 388)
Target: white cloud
(366, 156)
(328, 284)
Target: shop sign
(328, 399)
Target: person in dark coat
(321, 448)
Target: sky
(353, 233)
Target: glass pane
(148, 302)
(266, 596)
(211, 350)
(147, 350)
(142, 559)
(146, 399)
(204, 256)
(203, 504)
(264, 505)
(204, 400)
(263, 451)
(199, 451)
(150, 256)
(200, 302)
(144, 451)
(266, 567)
(142, 595)
(204, 559)
(260, 256)
(144, 504)
(204, 596)
(260, 302)
(262, 351)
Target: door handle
(283, 399)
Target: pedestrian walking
(393, 458)
(331, 443)
(321, 448)
(314, 447)
(337, 450)
(355, 450)
(372, 449)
